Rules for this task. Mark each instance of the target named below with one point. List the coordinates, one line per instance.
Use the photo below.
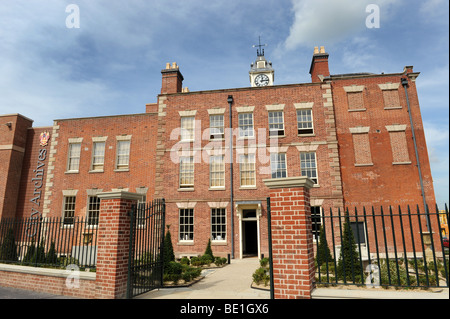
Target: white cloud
(323, 22)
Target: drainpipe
(230, 102)
(405, 85)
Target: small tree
(208, 250)
(31, 252)
(168, 248)
(51, 257)
(323, 251)
(349, 266)
(8, 249)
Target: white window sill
(216, 188)
(360, 165)
(186, 243)
(219, 242)
(248, 187)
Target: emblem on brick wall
(44, 138)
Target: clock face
(262, 80)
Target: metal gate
(145, 262)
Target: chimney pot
(167, 66)
(174, 65)
(316, 50)
(322, 49)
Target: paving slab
(230, 282)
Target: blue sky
(111, 64)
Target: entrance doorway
(249, 233)
(249, 213)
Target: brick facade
(87, 181)
(377, 156)
(358, 151)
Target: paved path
(14, 293)
(230, 282)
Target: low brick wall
(110, 279)
(53, 281)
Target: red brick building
(208, 152)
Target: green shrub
(51, 257)
(173, 268)
(261, 276)
(168, 248)
(196, 261)
(206, 260)
(323, 251)
(264, 262)
(219, 261)
(185, 261)
(208, 250)
(349, 267)
(8, 249)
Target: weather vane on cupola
(261, 71)
(260, 51)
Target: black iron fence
(48, 242)
(382, 247)
(146, 255)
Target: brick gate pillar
(292, 241)
(113, 244)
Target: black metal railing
(382, 247)
(48, 242)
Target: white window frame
(249, 160)
(303, 123)
(276, 123)
(219, 224)
(217, 171)
(309, 170)
(74, 156)
(123, 140)
(187, 125)
(187, 170)
(277, 159)
(91, 209)
(98, 159)
(186, 222)
(69, 208)
(246, 125)
(216, 127)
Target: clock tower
(261, 71)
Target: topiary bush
(185, 261)
(8, 248)
(349, 266)
(168, 248)
(208, 250)
(206, 260)
(220, 261)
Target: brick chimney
(172, 79)
(319, 65)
